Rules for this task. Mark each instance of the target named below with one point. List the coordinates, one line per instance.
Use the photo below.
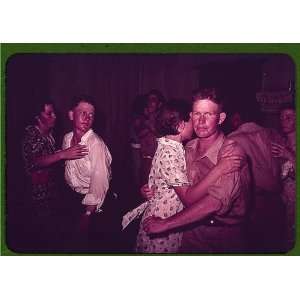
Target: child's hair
(170, 115)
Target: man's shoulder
(237, 148)
(95, 139)
(191, 144)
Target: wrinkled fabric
(91, 174)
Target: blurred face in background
(235, 121)
(288, 120)
(47, 117)
(153, 104)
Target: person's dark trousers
(266, 224)
(72, 210)
(103, 228)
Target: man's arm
(196, 212)
(75, 152)
(190, 194)
(100, 176)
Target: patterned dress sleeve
(173, 167)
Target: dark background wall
(114, 81)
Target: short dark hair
(81, 98)
(290, 105)
(211, 94)
(248, 110)
(170, 115)
(39, 107)
(159, 95)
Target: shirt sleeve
(64, 143)
(228, 187)
(173, 168)
(100, 175)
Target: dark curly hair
(37, 109)
(170, 115)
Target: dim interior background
(114, 81)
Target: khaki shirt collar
(213, 150)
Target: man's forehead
(48, 107)
(84, 106)
(205, 104)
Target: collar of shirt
(85, 137)
(83, 140)
(166, 141)
(213, 150)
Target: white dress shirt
(91, 174)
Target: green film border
(7, 50)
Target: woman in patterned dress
(287, 152)
(167, 173)
(40, 158)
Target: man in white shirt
(89, 176)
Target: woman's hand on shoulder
(75, 152)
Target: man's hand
(281, 151)
(146, 192)
(232, 158)
(74, 152)
(155, 225)
(229, 164)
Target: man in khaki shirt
(216, 221)
(266, 215)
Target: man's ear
(222, 118)
(71, 117)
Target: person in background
(40, 160)
(265, 222)
(147, 132)
(136, 126)
(286, 151)
(217, 216)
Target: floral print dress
(168, 170)
(42, 182)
